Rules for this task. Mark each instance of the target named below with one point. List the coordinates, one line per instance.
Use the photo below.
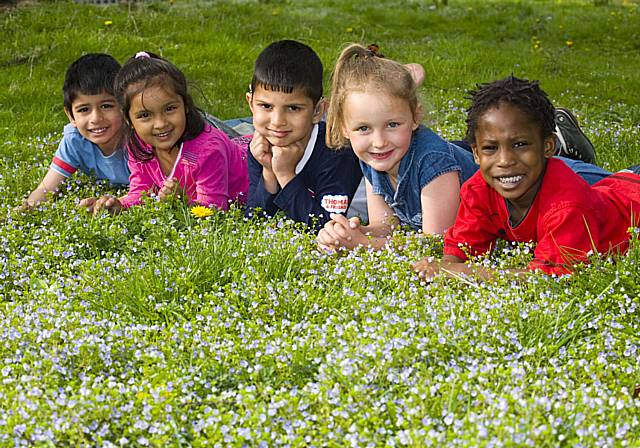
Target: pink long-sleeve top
(211, 170)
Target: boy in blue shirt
(92, 140)
(290, 167)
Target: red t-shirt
(568, 218)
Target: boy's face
(284, 118)
(98, 119)
(512, 153)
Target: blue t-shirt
(77, 153)
(428, 157)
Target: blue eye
(393, 124)
(363, 129)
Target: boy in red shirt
(521, 194)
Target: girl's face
(379, 127)
(159, 117)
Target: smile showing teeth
(98, 131)
(163, 134)
(509, 180)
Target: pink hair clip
(142, 54)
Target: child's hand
(88, 203)
(427, 268)
(284, 161)
(261, 150)
(25, 207)
(109, 203)
(170, 188)
(340, 233)
(417, 72)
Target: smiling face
(159, 117)
(379, 127)
(98, 119)
(512, 153)
(284, 118)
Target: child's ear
(70, 117)
(418, 115)
(474, 150)
(319, 111)
(549, 146)
(249, 97)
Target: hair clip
(375, 50)
(142, 55)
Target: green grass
(156, 328)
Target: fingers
(23, 208)
(103, 203)
(417, 72)
(169, 189)
(109, 203)
(426, 268)
(88, 203)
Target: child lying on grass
(92, 141)
(413, 176)
(173, 151)
(522, 194)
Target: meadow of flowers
(167, 326)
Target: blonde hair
(361, 69)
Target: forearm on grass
(49, 184)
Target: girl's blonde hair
(361, 69)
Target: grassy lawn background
(157, 328)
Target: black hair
(145, 70)
(91, 74)
(521, 93)
(286, 65)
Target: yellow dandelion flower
(201, 212)
(569, 43)
(349, 30)
(108, 22)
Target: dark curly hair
(147, 70)
(522, 93)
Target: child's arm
(259, 195)
(439, 200)
(50, 183)
(262, 153)
(453, 267)
(327, 185)
(343, 233)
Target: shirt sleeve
(139, 182)
(334, 182)
(567, 237)
(434, 165)
(212, 180)
(259, 197)
(66, 160)
(473, 233)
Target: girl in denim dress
(413, 176)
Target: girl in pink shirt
(172, 150)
